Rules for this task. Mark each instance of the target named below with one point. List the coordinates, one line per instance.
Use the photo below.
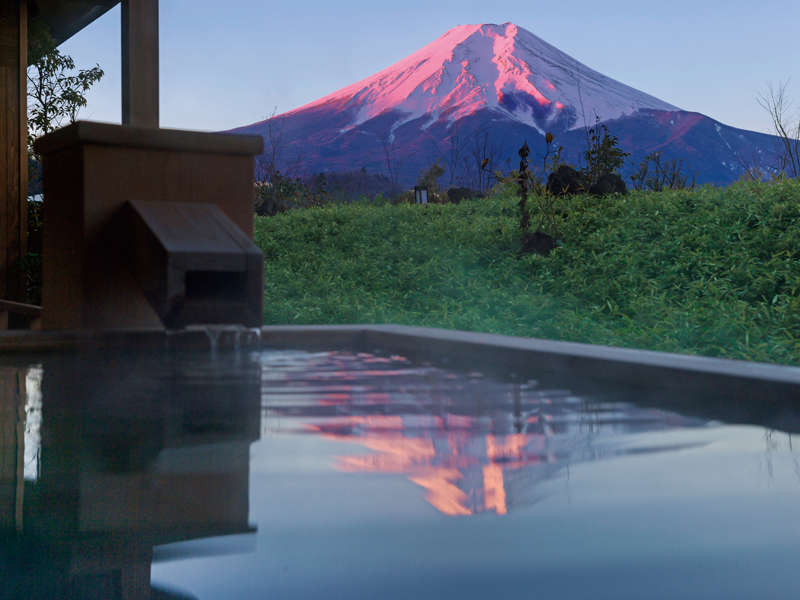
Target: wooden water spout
(194, 265)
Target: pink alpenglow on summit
(500, 67)
(494, 86)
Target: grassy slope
(712, 272)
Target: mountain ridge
(505, 79)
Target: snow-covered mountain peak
(503, 68)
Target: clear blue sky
(230, 63)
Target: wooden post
(13, 146)
(140, 63)
(12, 447)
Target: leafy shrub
(290, 193)
(429, 178)
(349, 186)
(53, 93)
(656, 176)
(602, 155)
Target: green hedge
(713, 271)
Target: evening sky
(229, 64)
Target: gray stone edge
(637, 368)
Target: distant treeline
(347, 186)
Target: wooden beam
(13, 147)
(140, 63)
(67, 17)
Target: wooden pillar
(140, 63)
(13, 146)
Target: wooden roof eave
(67, 17)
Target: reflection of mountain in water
(474, 444)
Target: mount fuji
(510, 86)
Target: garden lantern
(421, 194)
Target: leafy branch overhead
(54, 94)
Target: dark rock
(566, 181)
(539, 243)
(272, 205)
(456, 195)
(610, 183)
